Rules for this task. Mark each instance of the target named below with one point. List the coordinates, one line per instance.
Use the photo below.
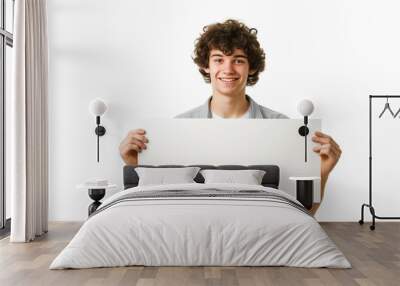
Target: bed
(201, 224)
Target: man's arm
(316, 205)
(329, 152)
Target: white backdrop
(137, 57)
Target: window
(6, 44)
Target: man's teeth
(228, 79)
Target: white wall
(137, 56)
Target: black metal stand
(369, 205)
(96, 195)
(303, 131)
(100, 131)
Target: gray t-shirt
(255, 111)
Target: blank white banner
(238, 142)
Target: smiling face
(228, 74)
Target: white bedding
(200, 231)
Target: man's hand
(329, 152)
(134, 142)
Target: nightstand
(96, 193)
(305, 190)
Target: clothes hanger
(387, 107)
(398, 111)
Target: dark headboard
(270, 179)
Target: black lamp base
(303, 130)
(100, 130)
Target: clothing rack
(369, 205)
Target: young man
(229, 57)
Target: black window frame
(6, 39)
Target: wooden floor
(374, 255)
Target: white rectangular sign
(235, 141)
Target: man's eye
(239, 61)
(218, 60)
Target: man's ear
(252, 72)
(206, 70)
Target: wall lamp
(305, 107)
(97, 107)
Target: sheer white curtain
(28, 122)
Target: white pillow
(249, 177)
(163, 176)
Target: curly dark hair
(227, 37)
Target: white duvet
(200, 231)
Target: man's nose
(228, 67)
